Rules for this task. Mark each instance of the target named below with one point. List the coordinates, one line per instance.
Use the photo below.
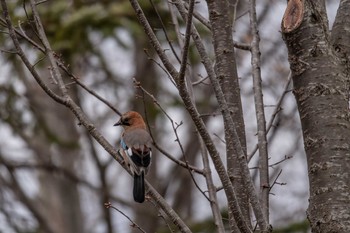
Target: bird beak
(118, 123)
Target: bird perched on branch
(136, 150)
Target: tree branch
(133, 224)
(274, 114)
(211, 189)
(230, 193)
(260, 117)
(26, 62)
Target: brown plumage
(136, 149)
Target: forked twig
(133, 224)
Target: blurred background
(55, 178)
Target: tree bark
(226, 71)
(322, 96)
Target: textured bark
(226, 70)
(321, 92)
(219, 166)
(260, 113)
(340, 37)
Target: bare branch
(172, 158)
(165, 32)
(86, 88)
(153, 39)
(230, 194)
(61, 64)
(176, 135)
(275, 181)
(159, 65)
(261, 123)
(133, 224)
(286, 157)
(274, 114)
(211, 189)
(25, 60)
(187, 41)
(198, 16)
(49, 52)
(206, 23)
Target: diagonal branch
(187, 41)
(274, 114)
(57, 77)
(207, 170)
(230, 193)
(153, 38)
(24, 58)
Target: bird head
(131, 119)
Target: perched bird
(136, 150)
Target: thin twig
(206, 23)
(274, 114)
(49, 52)
(162, 215)
(159, 65)
(92, 92)
(23, 35)
(275, 181)
(155, 101)
(199, 17)
(133, 224)
(24, 58)
(286, 157)
(8, 51)
(42, 1)
(200, 81)
(165, 32)
(222, 140)
(153, 39)
(179, 162)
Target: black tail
(139, 187)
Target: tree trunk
(321, 91)
(226, 70)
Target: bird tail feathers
(139, 187)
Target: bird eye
(126, 121)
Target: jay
(136, 150)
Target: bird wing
(137, 143)
(137, 139)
